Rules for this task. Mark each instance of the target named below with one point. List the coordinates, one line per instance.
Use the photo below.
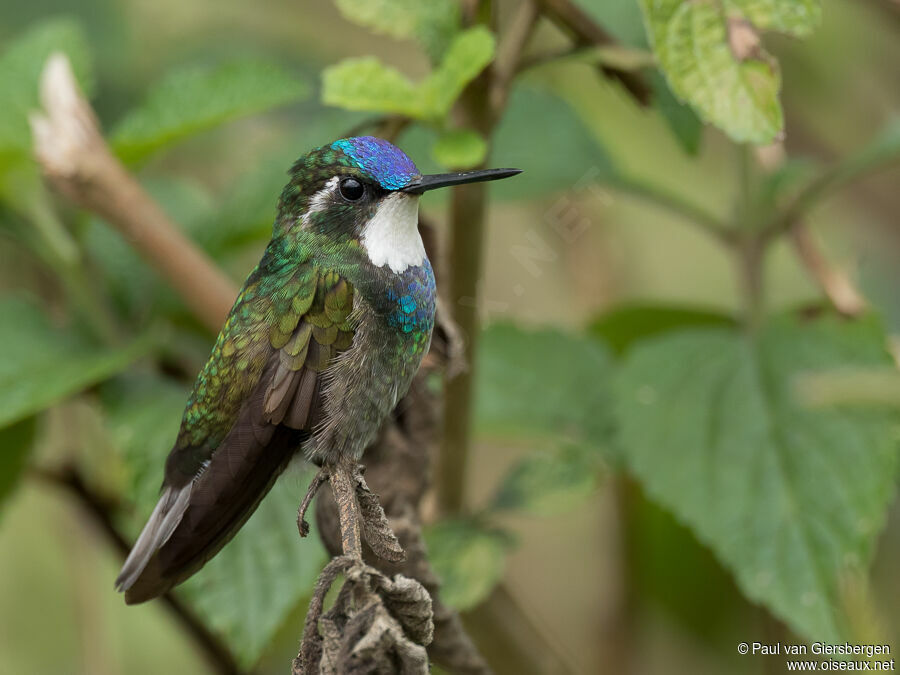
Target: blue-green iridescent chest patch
(412, 301)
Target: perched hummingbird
(323, 340)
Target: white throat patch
(392, 236)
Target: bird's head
(365, 189)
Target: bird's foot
(320, 477)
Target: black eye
(352, 190)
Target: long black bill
(439, 180)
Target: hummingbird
(323, 339)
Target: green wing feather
(252, 407)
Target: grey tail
(162, 523)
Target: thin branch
(100, 510)
(836, 285)
(78, 162)
(695, 215)
(876, 156)
(585, 31)
(509, 53)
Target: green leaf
(466, 57)
(469, 559)
(695, 44)
(680, 118)
(250, 587)
(15, 443)
(433, 23)
(459, 149)
(626, 325)
(143, 413)
(544, 383)
(195, 99)
(788, 497)
(20, 69)
(42, 364)
(367, 84)
(545, 483)
(247, 591)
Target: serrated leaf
(15, 443)
(194, 99)
(42, 364)
(367, 84)
(466, 57)
(546, 483)
(789, 498)
(695, 43)
(622, 327)
(469, 559)
(247, 590)
(544, 383)
(432, 23)
(459, 149)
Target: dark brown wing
(196, 518)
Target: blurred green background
(613, 583)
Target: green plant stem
(479, 107)
(751, 254)
(695, 215)
(837, 176)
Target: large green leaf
(466, 56)
(469, 558)
(790, 498)
(41, 364)
(700, 47)
(367, 84)
(545, 383)
(250, 587)
(196, 98)
(433, 23)
(15, 442)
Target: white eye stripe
(319, 201)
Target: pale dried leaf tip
(66, 128)
(743, 39)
